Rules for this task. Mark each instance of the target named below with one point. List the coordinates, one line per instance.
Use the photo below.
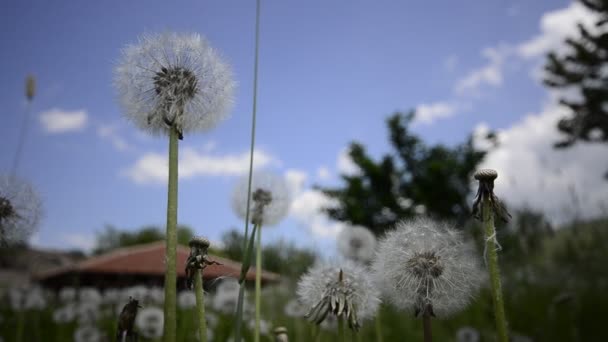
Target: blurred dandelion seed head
(357, 243)
(270, 198)
(20, 210)
(150, 322)
(334, 288)
(424, 263)
(172, 78)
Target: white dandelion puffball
(270, 198)
(226, 302)
(88, 333)
(322, 280)
(467, 334)
(67, 294)
(357, 243)
(295, 309)
(64, 314)
(20, 210)
(172, 78)
(186, 300)
(90, 295)
(425, 265)
(149, 322)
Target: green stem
(22, 135)
(378, 322)
(244, 269)
(200, 305)
(20, 325)
(492, 260)
(426, 324)
(341, 333)
(171, 248)
(258, 283)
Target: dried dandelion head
(357, 243)
(20, 210)
(426, 267)
(344, 290)
(172, 79)
(270, 198)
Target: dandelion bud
(30, 87)
(280, 334)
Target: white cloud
(564, 184)
(151, 168)
(295, 180)
(323, 173)
(555, 26)
(109, 132)
(428, 113)
(306, 209)
(345, 164)
(490, 74)
(84, 242)
(450, 63)
(60, 121)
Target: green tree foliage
(111, 237)
(583, 68)
(280, 257)
(411, 176)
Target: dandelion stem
(378, 322)
(171, 249)
(341, 333)
(258, 284)
(241, 298)
(24, 129)
(20, 325)
(490, 232)
(200, 304)
(426, 324)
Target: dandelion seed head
(88, 333)
(186, 300)
(270, 198)
(149, 322)
(357, 243)
(323, 280)
(467, 334)
(172, 78)
(423, 262)
(20, 210)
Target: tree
(414, 178)
(112, 238)
(583, 69)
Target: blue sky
(330, 72)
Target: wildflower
(357, 243)
(426, 267)
(270, 198)
(20, 210)
(150, 322)
(88, 333)
(467, 334)
(87, 312)
(67, 295)
(343, 290)
(155, 295)
(90, 295)
(34, 299)
(186, 300)
(174, 79)
(64, 314)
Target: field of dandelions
(423, 280)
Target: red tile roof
(149, 259)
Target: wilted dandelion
(425, 267)
(172, 79)
(20, 210)
(149, 322)
(357, 243)
(344, 290)
(126, 320)
(467, 334)
(88, 333)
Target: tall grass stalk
(258, 284)
(241, 298)
(170, 307)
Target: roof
(149, 259)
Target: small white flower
(467, 334)
(20, 210)
(35, 299)
(90, 295)
(264, 326)
(64, 314)
(225, 302)
(344, 288)
(155, 295)
(425, 265)
(87, 312)
(111, 296)
(149, 322)
(67, 295)
(357, 243)
(295, 309)
(270, 198)
(87, 333)
(172, 78)
(186, 300)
